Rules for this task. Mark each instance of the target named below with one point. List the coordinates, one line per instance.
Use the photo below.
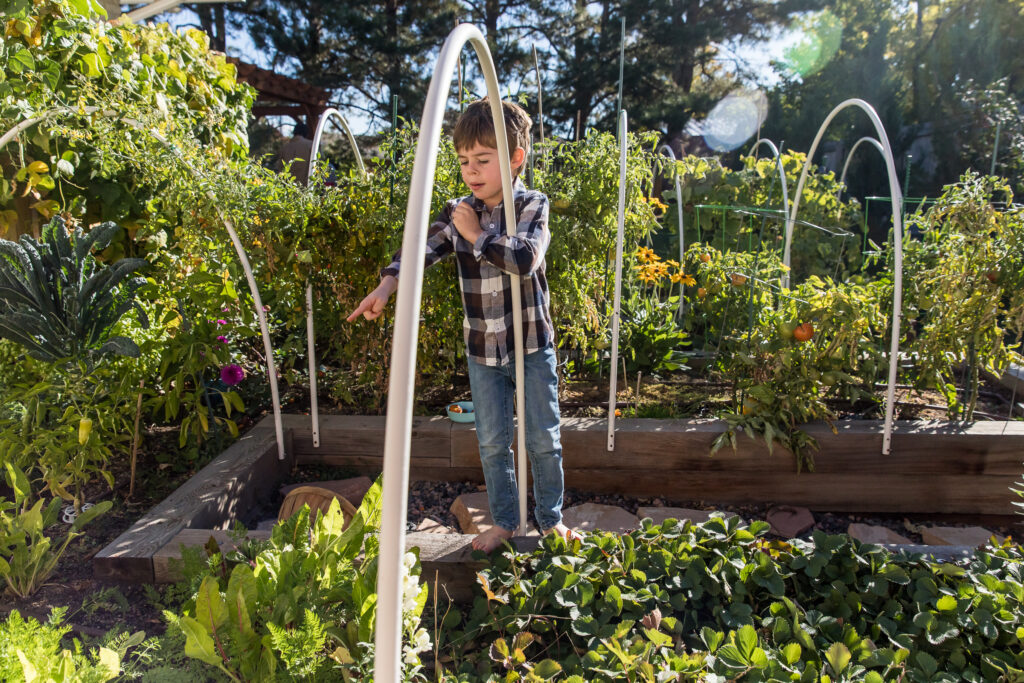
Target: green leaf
(91, 514)
(198, 643)
(547, 668)
(838, 656)
(21, 61)
(746, 641)
(658, 638)
(947, 603)
(792, 652)
(211, 612)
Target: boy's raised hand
(466, 222)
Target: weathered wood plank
(363, 435)
(167, 560)
(213, 497)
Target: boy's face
(482, 173)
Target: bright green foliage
(27, 555)
(59, 302)
(718, 601)
(30, 651)
(58, 53)
(300, 607)
(964, 287)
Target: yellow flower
(646, 255)
(657, 203)
(688, 280)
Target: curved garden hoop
(623, 146)
(896, 197)
(398, 425)
(785, 203)
(679, 213)
(239, 250)
(849, 157)
(314, 408)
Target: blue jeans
(493, 389)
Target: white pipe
(623, 142)
(849, 157)
(679, 212)
(896, 197)
(253, 289)
(398, 426)
(314, 406)
(785, 205)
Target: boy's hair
(475, 125)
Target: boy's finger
(359, 309)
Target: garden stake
(622, 62)
(667, 151)
(995, 148)
(618, 277)
(394, 141)
(401, 384)
(540, 97)
(785, 201)
(135, 439)
(897, 205)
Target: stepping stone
(660, 514)
(974, 536)
(473, 512)
(878, 535)
(596, 517)
(432, 526)
(351, 490)
(789, 521)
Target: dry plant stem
(135, 439)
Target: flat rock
(351, 490)
(596, 517)
(974, 536)
(660, 514)
(432, 526)
(266, 524)
(473, 512)
(789, 521)
(879, 535)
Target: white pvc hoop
(314, 408)
(849, 157)
(398, 426)
(896, 196)
(239, 250)
(785, 205)
(667, 151)
(623, 145)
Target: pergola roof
(281, 95)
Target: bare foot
(491, 539)
(564, 532)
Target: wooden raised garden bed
(935, 468)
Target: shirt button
(494, 294)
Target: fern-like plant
(59, 302)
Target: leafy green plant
(302, 606)
(27, 555)
(718, 601)
(30, 651)
(58, 301)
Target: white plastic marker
(398, 426)
(785, 204)
(618, 279)
(896, 195)
(239, 250)
(667, 151)
(314, 412)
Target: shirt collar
(478, 205)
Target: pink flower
(222, 339)
(222, 322)
(232, 374)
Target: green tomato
(786, 329)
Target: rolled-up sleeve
(522, 253)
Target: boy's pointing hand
(467, 222)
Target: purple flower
(222, 322)
(231, 374)
(222, 339)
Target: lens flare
(732, 121)
(812, 42)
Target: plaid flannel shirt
(484, 278)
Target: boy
(473, 228)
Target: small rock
(789, 521)
(473, 512)
(595, 517)
(879, 535)
(975, 536)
